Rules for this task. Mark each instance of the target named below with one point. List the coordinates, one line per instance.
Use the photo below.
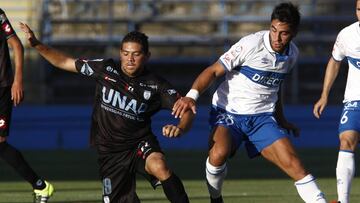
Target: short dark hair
(138, 37)
(288, 13)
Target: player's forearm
(207, 77)
(279, 109)
(56, 57)
(331, 73)
(185, 122)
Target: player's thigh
(261, 132)
(349, 126)
(281, 149)
(283, 154)
(5, 112)
(118, 177)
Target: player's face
(132, 58)
(358, 9)
(280, 35)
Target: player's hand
(29, 34)
(319, 107)
(182, 105)
(17, 93)
(171, 131)
(291, 128)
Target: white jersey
(348, 45)
(254, 72)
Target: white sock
(215, 176)
(345, 170)
(309, 191)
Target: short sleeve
(168, 95)
(6, 26)
(90, 68)
(338, 52)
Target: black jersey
(6, 31)
(124, 105)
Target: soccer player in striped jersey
(347, 45)
(247, 106)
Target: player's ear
(148, 54)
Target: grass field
(74, 175)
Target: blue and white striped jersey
(254, 72)
(348, 45)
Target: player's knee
(348, 143)
(158, 168)
(2, 139)
(218, 158)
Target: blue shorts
(350, 117)
(257, 131)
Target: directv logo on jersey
(265, 80)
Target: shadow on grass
(188, 165)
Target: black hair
(288, 13)
(138, 37)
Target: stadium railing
(188, 31)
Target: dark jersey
(123, 106)
(6, 31)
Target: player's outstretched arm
(183, 126)
(55, 57)
(332, 70)
(202, 82)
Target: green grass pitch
(74, 175)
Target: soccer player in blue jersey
(347, 45)
(11, 94)
(247, 106)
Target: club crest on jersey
(147, 94)
(2, 123)
(265, 61)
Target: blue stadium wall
(67, 127)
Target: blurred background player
(127, 96)
(247, 106)
(11, 93)
(347, 45)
